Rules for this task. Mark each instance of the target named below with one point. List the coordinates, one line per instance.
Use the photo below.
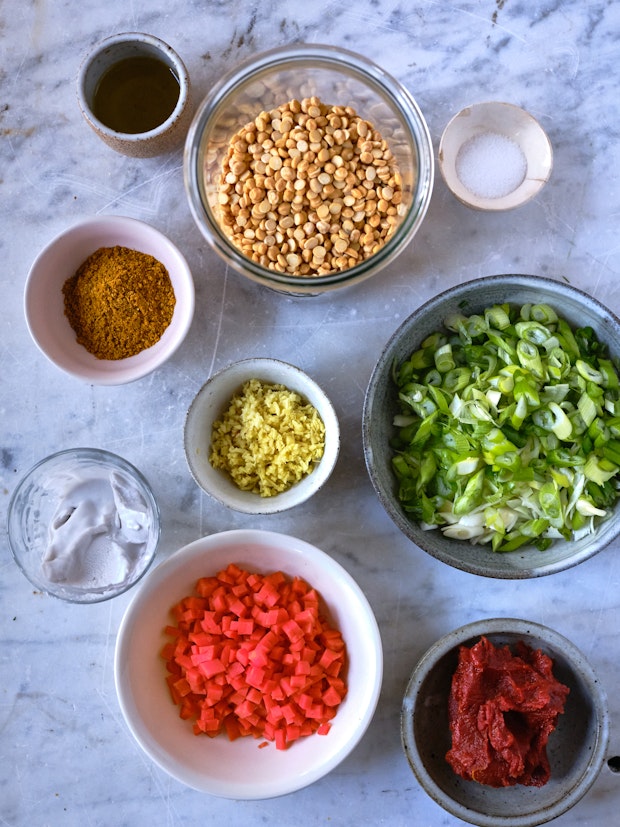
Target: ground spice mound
(502, 709)
(268, 439)
(119, 302)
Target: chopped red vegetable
(252, 654)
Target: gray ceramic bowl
(576, 748)
(381, 404)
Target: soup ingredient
(502, 709)
(119, 302)
(136, 95)
(509, 431)
(268, 439)
(491, 165)
(99, 531)
(253, 655)
(309, 189)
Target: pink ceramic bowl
(59, 260)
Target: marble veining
(66, 756)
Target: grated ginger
(268, 439)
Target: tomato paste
(502, 709)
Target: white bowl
(239, 769)
(210, 403)
(576, 749)
(60, 259)
(497, 122)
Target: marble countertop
(66, 755)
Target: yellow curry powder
(119, 302)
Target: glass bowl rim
(84, 596)
(320, 56)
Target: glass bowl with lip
(337, 78)
(83, 525)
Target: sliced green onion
(444, 360)
(543, 313)
(588, 372)
(497, 316)
(587, 409)
(530, 358)
(533, 332)
(599, 469)
(509, 429)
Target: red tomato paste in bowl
(503, 707)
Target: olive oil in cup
(133, 90)
(136, 94)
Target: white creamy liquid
(98, 533)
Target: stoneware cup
(165, 137)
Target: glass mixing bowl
(339, 78)
(83, 525)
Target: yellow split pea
(309, 189)
(268, 439)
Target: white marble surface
(66, 756)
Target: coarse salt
(491, 165)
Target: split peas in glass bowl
(308, 168)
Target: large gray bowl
(576, 748)
(381, 404)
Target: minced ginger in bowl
(268, 439)
(261, 436)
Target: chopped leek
(509, 429)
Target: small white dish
(494, 156)
(210, 403)
(240, 769)
(60, 259)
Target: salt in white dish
(494, 156)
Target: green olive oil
(136, 94)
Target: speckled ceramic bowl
(576, 748)
(159, 140)
(381, 405)
(214, 398)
